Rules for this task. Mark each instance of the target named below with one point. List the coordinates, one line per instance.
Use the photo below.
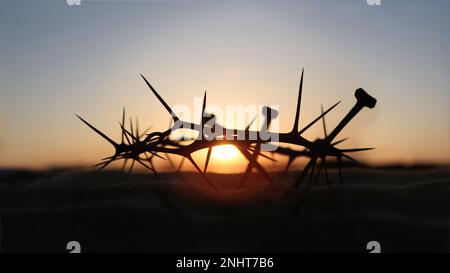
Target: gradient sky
(57, 60)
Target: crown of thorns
(144, 147)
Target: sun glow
(225, 152)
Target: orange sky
(57, 61)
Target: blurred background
(58, 60)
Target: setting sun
(225, 152)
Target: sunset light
(225, 152)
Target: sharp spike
(303, 173)
(202, 118)
(319, 170)
(273, 156)
(137, 129)
(174, 116)
(349, 157)
(318, 118)
(255, 163)
(123, 123)
(124, 133)
(105, 164)
(204, 104)
(200, 171)
(131, 168)
(152, 166)
(145, 131)
(289, 163)
(299, 100)
(208, 155)
(181, 164)
(170, 160)
(132, 131)
(157, 155)
(266, 157)
(145, 165)
(339, 141)
(98, 132)
(107, 158)
(323, 122)
(256, 153)
(312, 172)
(258, 150)
(104, 161)
(124, 164)
(356, 150)
(247, 172)
(129, 134)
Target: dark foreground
(404, 210)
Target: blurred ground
(406, 210)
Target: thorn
(319, 170)
(356, 150)
(323, 122)
(124, 164)
(123, 122)
(104, 164)
(248, 170)
(312, 172)
(303, 173)
(98, 132)
(266, 157)
(129, 134)
(204, 104)
(299, 101)
(170, 160)
(157, 155)
(258, 166)
(339, 141)
(137, 129)
(349, 157)
(131, 130)
(124, 134)
(181, 164)
(174, 116)
(145, 165)
(131, 168)
(201, 135)
(200, 171)
(291, 159)
(318, 118)
(145, 131)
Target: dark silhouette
(143, 147)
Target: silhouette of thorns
(144, 147)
